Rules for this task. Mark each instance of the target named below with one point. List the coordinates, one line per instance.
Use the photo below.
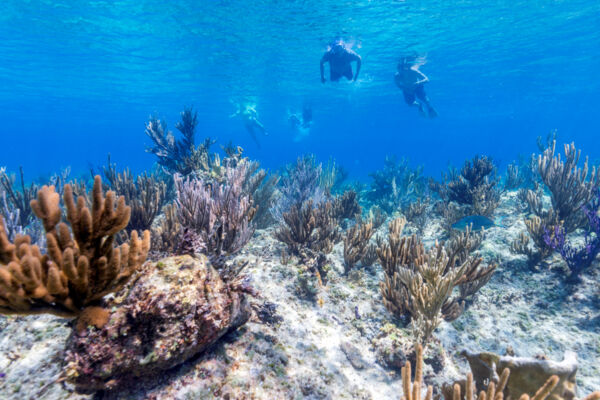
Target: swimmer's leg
(422, 96)
(250, 130)
(261, 127)
(409, 98)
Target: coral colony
(152, 271)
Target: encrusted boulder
(527, 375)
(174, 309)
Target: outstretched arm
(358, 64)
(421, 78)
(322, 66)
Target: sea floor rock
(173, 310)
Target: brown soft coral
(80, 265)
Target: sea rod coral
(80, 265)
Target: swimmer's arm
(358, 64)
(421, 78)
(324, 59)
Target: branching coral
(217, 216)
(299, 183)
(346, 206)
(80, 265)
(19, 199)
(179, 156)
(145, 195)
(476, 186)
(569, 185)
(166, 234)
(416, 213)
(309, 228)
(419, 283)
(356, 244)
(570, 189)
(578, 258)
(395, 183)
(262, 191)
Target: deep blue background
(79, 79)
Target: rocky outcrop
(174, 309)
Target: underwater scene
(300, 199)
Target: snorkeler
(249, 115)
(306, 116)
(340, 58)
(412, 82)
(300, 124)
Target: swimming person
(340, 58)
(249, 115)
(412, 82)
(306, 116)
(300, 124)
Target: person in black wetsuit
(412, 82)
(340, 58)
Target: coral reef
(476, 186)
(179, 155)
(176, 308)
(419, 283)
(416, 213)
(395, 184)
(145, 194)
(80, 266)
(166, 234)
(346, 206)
(578, 258)
(263, 192)
(570, 190)
(568, 184)
(309, 228)
(19, 199)
(525, 375)
(356, 244)
(299, 183)
(215, 216)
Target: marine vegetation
(146, 195)
(570, 190)
(394, 184)
(356, 244)
(419, 283)
(495, 378)
(80, 265)
(179, 155)
(19, 199)
(214, 218)
(475, 187)
(299, 183)
(578, 258)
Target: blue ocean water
(78, 80)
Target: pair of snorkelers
(408, 78)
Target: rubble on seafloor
(344, 346)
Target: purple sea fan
(578, 258)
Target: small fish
(356, 313)
(478, 222)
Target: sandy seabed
(343, 346)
